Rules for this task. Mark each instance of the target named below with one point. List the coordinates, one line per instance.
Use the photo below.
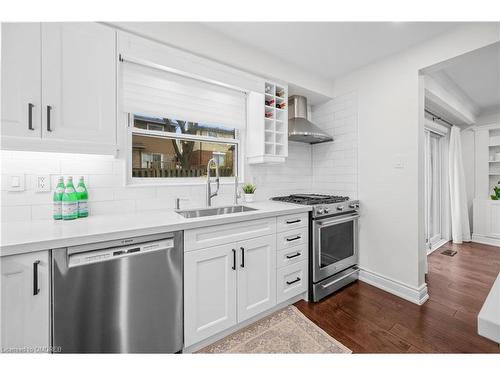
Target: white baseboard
(486, 240)
(417, 296)
(437, 245)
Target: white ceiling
(330, 49)
(477, 74)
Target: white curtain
(460, 230)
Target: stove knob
(354, 205)
(340, 208)
(327, 210)
(320, 210)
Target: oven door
(335, 245)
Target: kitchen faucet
(210, 195)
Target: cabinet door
(256, 276)
(209, 292)
(25, 301)
(21, 80)
(79, 83)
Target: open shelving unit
(274, 120)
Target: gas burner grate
(311, 199)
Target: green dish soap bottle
(83, 196)
(69, 201)
(57, 199)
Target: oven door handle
(327, 223)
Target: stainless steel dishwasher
(122, 296)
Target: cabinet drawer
(201, 238)
(292, 238)
(291, 281)
(292, 255)
(288, 222)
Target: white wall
(390, 125)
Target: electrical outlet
(42, 183)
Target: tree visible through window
(164, 156)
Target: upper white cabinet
(21, 77)
(267, 124)
(62, 76)
(25, 301)
(79, 83)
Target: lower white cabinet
(209, 292)
(227, 284)
(256, 276)
(25, 297)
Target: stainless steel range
(333, 241)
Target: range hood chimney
(299, 128)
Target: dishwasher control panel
(96, 256)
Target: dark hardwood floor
(369, 320)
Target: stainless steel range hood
(299, 128)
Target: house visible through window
(169, 148)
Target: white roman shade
(157, 92)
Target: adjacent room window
(179, 122)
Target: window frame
(180, 181)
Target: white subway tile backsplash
(329, 168)
(16, 213)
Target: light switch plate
(42, 183)
(15, 182)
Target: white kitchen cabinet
(79, 83)
(209, 292)
(21, 80)
(267, 124)
(25, 301)
(67, 72)
(256, 276)
(236, 271)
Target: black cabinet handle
(242, 257)
(36, 289)
(49, 109)
(293, 256)
(294, 281)
(30, 116)
(234, 259)
(293, 239)
(293, 221)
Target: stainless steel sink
(214, 211)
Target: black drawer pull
(294, 238)
(49, 109)
(36, 288)
(30, 116)
(234, 259)
(294, 221)
(294, 281)
(242, 257)
(293, 256)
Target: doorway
(435, 189)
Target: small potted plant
(248, 190)
(496, 190)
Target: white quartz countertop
(23, 237)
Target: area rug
(285, 331)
